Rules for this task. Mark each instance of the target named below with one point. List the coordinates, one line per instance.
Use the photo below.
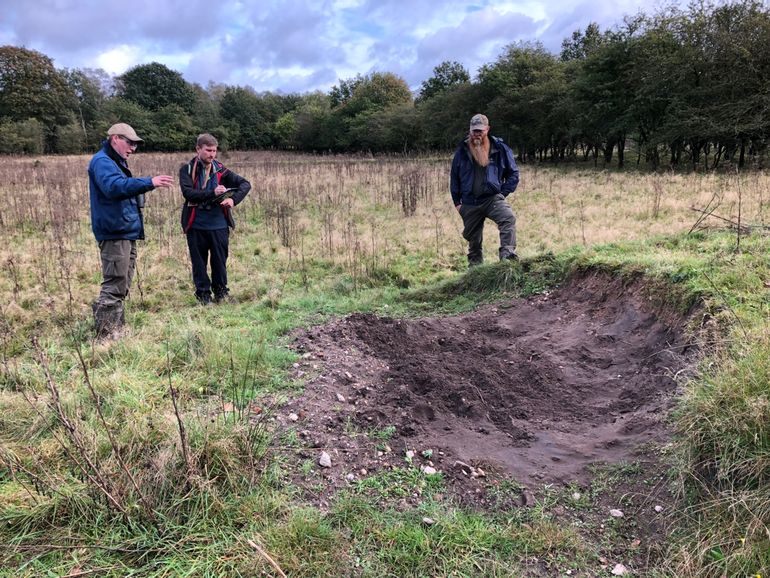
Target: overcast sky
(298, 45)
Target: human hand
(162, 181)
(220, 189)
(227, 203)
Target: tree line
(680, 88)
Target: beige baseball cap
(479, 122)
(125, 130)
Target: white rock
(616, 513)
(428, 521)
(465, 468)
(293, 417)
(363, 471)
(325, 461)
(427, 470)
(350, 477)
(659, 509)
(576, 496)
(409, 454)
(340, 398)
(619, 570)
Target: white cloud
(117, 60)
(295, 45)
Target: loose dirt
(535, 390)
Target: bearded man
(484, 173)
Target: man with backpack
(210, 192)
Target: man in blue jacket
(117, 199)
(484, 173)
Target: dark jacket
(502, 175)
(196, 199)
(116, 197)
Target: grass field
(141, 457)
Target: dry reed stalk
(261, 551)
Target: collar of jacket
(195, 163)
(119, 160)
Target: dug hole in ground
(534, 391)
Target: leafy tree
(444, 118)
(172, 130)
(523, 90)
(117, 109)
(356, 102)
(205, 110)
(86, 86)
(154, 86)
(394, 129)
(342, 93)
(22, 136)
(581, 44)
(241, 107)
(30, 87)
(402, 131)
(315, 129)
(285, 130)
(719, 90)
(70, 139)
(445, 75)
(603, 93)
(378, 91)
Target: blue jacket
(115, 203)
(502, 173)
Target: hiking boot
(108, 320)
(204, 299)
(223, 298)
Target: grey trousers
(498, 210)
(118, 266)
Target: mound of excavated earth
(531, 389)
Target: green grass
(194, 515)
(232, 355)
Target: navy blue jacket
(502, 173)
(115, 207)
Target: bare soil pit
(535, 390)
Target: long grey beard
(480, 153)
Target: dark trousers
(208, 246)
(498, 210)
